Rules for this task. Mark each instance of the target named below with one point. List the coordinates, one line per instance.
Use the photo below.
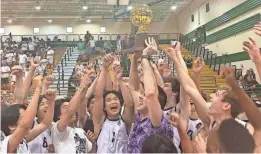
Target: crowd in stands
(151, 111)
(23, 55)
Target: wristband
(146, 57)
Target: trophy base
(137, 43)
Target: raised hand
(200, 145)
(116, 60)
(198, 65)
(49, 80)
(257, 29)
(35, 63)
(107, 61)
(17, 71)
(151, 48)
(173, 119)
(86, 79)
(50, 95)
(228, 74)
(253, 50)
(38, 82)
(117, 71)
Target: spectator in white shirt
(50, 53)
(5, 73)
(24, 46)
(92, 45)
(23, 60)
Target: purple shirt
(142, 129)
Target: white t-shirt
(193, 127)
(24, 47)
(71, 140)
(5, 71)
(31, 46)
(50, 56)
(92, 43)
(22, 59)
(113, 137)
(21, 149)
(9, 57)
(42, 141)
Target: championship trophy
(141, 16)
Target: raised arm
(74, 103)
(128, 113)
(150, 85)
(134, 77)
(82, 110)
(48, 81)
(248, 106)
(98, 114)
(19, 89)
(158, 76)
(26, 122)
(254, 53)
(189, 86)
(29, 78)
(48, 118)
(181, 124)
(197, 68)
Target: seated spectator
(251, 84)
(252, 74)
(188, 61)
(238, 74)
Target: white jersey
(176, 138)
(193, 127)
(21, 149)
(42, 141)
(243, 123)
(71, 140)
(113, 137)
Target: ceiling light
(88, 20)
(50, 20)
(38, 7)
(173, 7)
(85, 7)
(129, 8)
(9, 20)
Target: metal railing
(77, 37)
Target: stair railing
(65, 59)
(62, 72)
(58, 84)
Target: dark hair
(116, 93)
(89, 100)
(235, 138)
(57, 108)
(158, 144)
(162, 97)
(10, 116)
(231, 98)
(175, 86)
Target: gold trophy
(141, 16)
